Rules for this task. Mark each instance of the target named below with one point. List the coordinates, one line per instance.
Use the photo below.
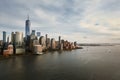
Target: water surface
(90, 63)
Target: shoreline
(2, 57)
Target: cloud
(76, 20)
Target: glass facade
(4, 36)
(27, 28)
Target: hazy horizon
(84, 21)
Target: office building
(46, 40)
(38, 35)
(19, 38)
(48, 43)
(36, 42)
(75, 43)
(59, 42)
(4, 36)
(8, 40)
(1, 42)
(33, 32)
(37, 49)
(42, 42)
(12, 37)
(27, 27)
(53, 43)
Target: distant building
(59, 44)
(48, 43)
(37, 49)
(53, 43)
(42, 42)
(61, 47)
(38, 34)
(33, 37)
(8, 51)
(36, 42)
(8, 40)
(1, 42)
(27, 43)
(75, 43)
(62, 41)
(12, 37)
(46, 36)
(19, 38)
(18, 42)
(27, 34)
(33, 32)
(27, 27)
(4, 36)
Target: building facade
(53, 43)
(27, 27)
(19, 38)
(4, 36)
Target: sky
(84, 21)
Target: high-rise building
(8, 39)
(53, 44)
(19, 38)
(46, 40)
(4, 36)
(42, 41)
(12, 37)
(75, 43)
(38, 34)
(27, 27)
(33, 32)
(59, 44)
(48, 43)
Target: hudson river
(89, 63)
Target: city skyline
(84, 21)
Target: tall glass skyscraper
(27, 27)
(4, 36)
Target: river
(89, 63)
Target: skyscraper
(27, 27)
(46, 40)
(8, 39)
(4, 36)
(33, 32)
(59, 44)
(12, 37)
(53, 45)
(19, 38)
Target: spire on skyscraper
(28, 16)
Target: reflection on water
(90, 63)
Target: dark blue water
(90, 63)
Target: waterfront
(89, 63)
